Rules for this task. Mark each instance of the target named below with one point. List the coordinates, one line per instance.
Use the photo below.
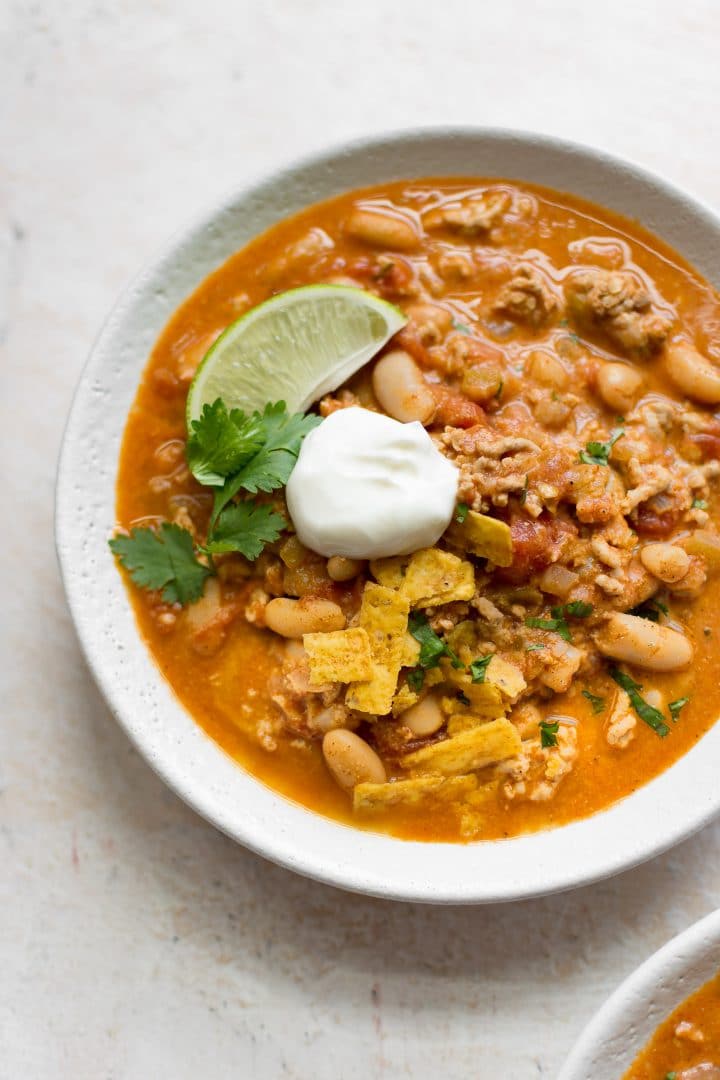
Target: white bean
(693, 373)
(667, 562)
(382, 229)
(546, 369)
(341, 569)
(309, 615)
(619, 386)
(401, 389)
(643, 643)
(425, 718)
(351, 760)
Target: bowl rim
(626, 1021)
(372, 863)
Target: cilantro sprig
(163, 560)
(229, 452)
(598, 453)
(270, 466)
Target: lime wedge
(294, 347)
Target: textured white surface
(135, 940)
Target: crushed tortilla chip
(427, 578)
(390, 572)
(383, 615)
(412, 792)
(506, 677)
(463, 721)
(485, 698)
(338, 656)
(406, 697)
(436, 577)
(484, 536)
(473, 749)
(411, 651)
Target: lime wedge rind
(296, 347)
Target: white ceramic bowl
(654, 818)
(617, 1033)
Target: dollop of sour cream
(366, 486)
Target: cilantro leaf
(163, 560)
(478, 668)
(534, 648)
(271, 466)
(432, 647)
(648, 713)
(245, 527)
(557, 624)
(598, 453)
(676, 706)
(699, 504)
(221, 442)
(461, 326)
(416, 679)
(597, 702)
(576, 609)
(548, 732)
(461, 512)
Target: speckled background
(135, 941)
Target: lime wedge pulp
(294, 347)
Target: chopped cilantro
(558, 625)
(524, 492)
(463, 698)
(163, 560)
(461, 512)
(415, 679)
(478, 668)
(597, 702)
(576, 609)
(534, 648)
(498, 392)
(548, 732)
(432, 647)
(676, 706)
(461, 326)
(598, 453)
(245, 527)
(647, 713)
(699, 504)
(650, 609)
(671, 1076)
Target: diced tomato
(536, 544)
(655, 523)
(455, 410)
